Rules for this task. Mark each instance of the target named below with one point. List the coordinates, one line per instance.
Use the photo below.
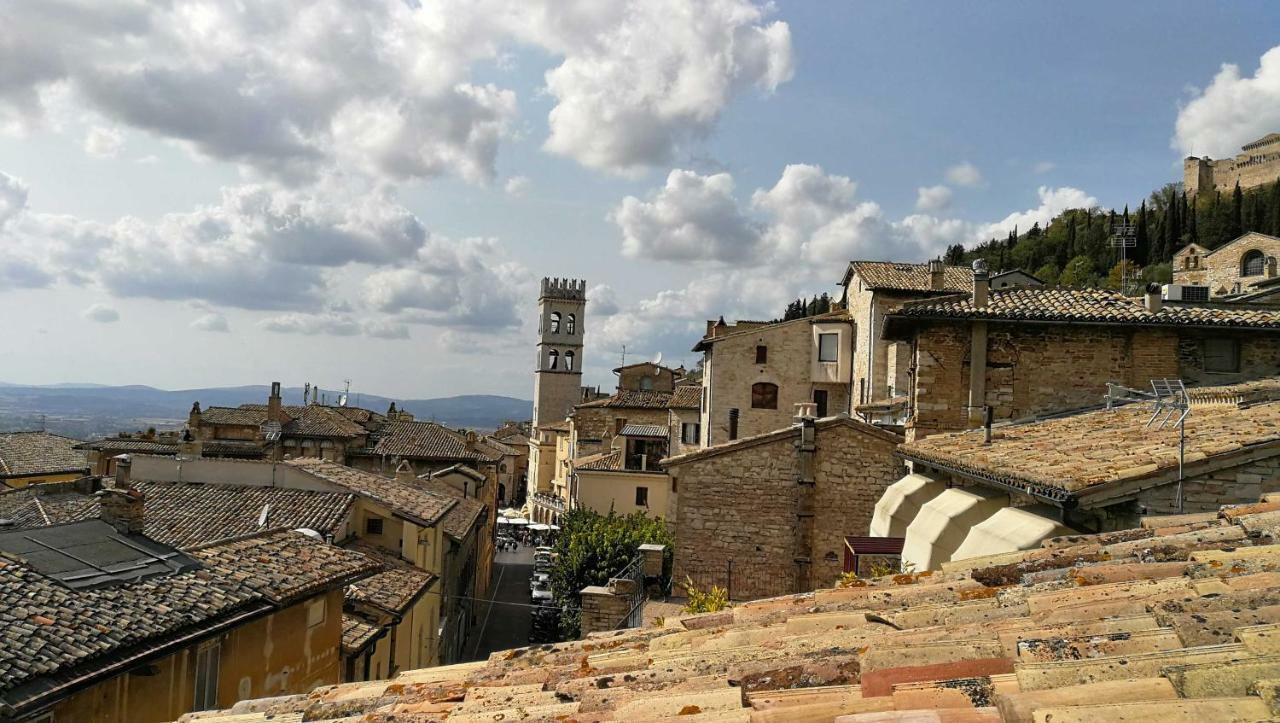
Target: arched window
(1253, 264)
(568, 361)
(555, 322)
(553, 357)
(764, 395)
(570, 324)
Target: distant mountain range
(87, 411)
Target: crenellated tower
(557, 377)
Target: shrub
(714, 600)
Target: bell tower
(557, 377)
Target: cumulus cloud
(517, 186)
(1053, 201)
(603, 300)
(452, 283)
(103, 142)
(655, 75)
(1234, 110)
(933, 198)
(333, 323)
(289, 88)
(964, 174)
(13, 197)
(101, 313)
(692, 218)
(212, 321)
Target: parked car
(542, 593)
(539, 578)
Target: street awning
(944, 522)
(1010, 530)
(539, 527)
(644, 430)
(900, 504)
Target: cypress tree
(1236, 221)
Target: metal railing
(629, 582)
(550, 502)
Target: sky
(196, 194)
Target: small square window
(1221, 355)
(373, 526)
(315, 613)
(828, 347)
(689, 432)
(642, 497)
(762, 354)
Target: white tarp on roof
(1012, 529)
(901, 502)
(944, 522)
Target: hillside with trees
(1073, 249)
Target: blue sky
(370, 192)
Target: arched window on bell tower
(553, 357)
(571, 323)
(555, 322)
(568, 361)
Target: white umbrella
(503, 521)
(553, 528)
(539, 527)
(517, 521)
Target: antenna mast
(1124, 236)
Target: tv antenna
(1170, 406)
(624, 355)
(1124, 236)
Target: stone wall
(1035, 369)
(741, 506)
(1220, 269)
(733, 370)
(1249, 170)
(1259, 355)
(594, 427)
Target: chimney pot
(405, 473)
(805, 410)
(981, 284)
(124, 470)
(1153, 299)
(937, 275)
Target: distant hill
(87, 411)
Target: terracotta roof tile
(415, 503)
(427, 440)
(395, 587)
(1070, 455)
(605, 461)
(37, 453)
(209, 447)
(462, 517)
(1097, 306)
(357, 633)
(631, 399)
(687, 396)
(894, 276)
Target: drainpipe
(978, 345)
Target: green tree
(1048, 273)
(592, 548)
(1079, 273)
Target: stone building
(1244, 268)
(1095, 471)
(872, 290)
(1259, 163)
(646, 377)
(557, 378)
(754, 373)
(1038, 351)
(768, 514)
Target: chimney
(391, 412)
(194, 417)
(306, 393)
(805, 411)
(470, 443)
(1152, 298)
(275, 413)
(405, 473)
(122, 505)
(189, 446)
(937, 275)
(981, 284)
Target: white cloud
(103, 142)
(692, 218)
(517, 186)
(603, 300)
(964, 174)
(212, 321)
(655, 74)
(1053, 201)
(1232, 111)
(291, 88)
(1043, 167)
(333, 324)
(13, 197)
(933, 198)
(101, 313)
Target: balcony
(550, 502)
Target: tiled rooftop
(427, 440)
(1096, 306)
(687, 396)
(184, 515)
(395, 587)
(610, 461)
(1077, 453)
(1176, 621)
(357, 633)
(35, 453)
(403, 499)
(168, 446)
(892, 276)
(53, 634)
(631, 399)
(462, 517)
(311, 420)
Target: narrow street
(504, 620)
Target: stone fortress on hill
(1259, 163)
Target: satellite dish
(657, 360)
